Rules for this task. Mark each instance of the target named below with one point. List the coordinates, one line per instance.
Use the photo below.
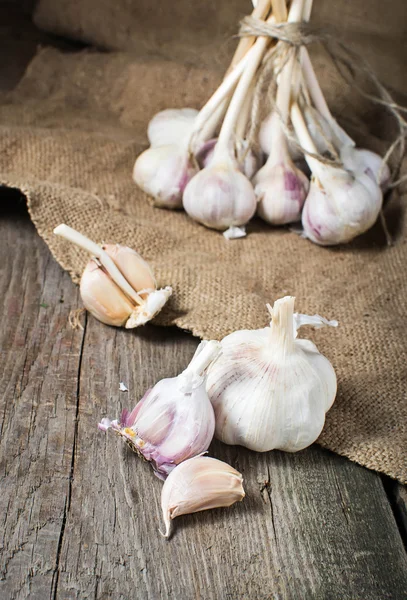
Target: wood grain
(81, 512)
(40, 357)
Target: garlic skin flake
(197, 484)
(270, 390)
(175, 419)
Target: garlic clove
(281, 191)
(220, 196)
(171, 125)
(200, 483)
(163, 172)
(269, 389)
(103, 298)
(174, 420)
(134, 268)
(117, 286)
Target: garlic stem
(254, 57)
(260, 11)
(279, 9)
(318, 98)
(305, 139)
(221, 93)
(207, 352)
(282, 323)
(70, 234)
(306, 15)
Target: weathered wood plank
(38, 383)
(313, 525)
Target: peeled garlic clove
(270, 390)
(281, 191)
(174, 420)
(197, 484)
(163, 172)
(220, 196)
(103, 298)
(341, 209)
(170, 126)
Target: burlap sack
(69, 135)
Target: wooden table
(80, 513)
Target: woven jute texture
(70, 133)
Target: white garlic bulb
(163, 172)
(270, 390)
(220, 196)
(171, 125)
(199, 483)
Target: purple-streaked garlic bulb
(280, 187)
(174, 421)
(360, 160)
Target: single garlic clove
(103, 298)
(171, 125)
(174, 420)
(198, 484)
(341, 210)
(281, 191)
(134, 268)
(269, 389)
(163, 172)
(220, 196)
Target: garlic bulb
(117, 286)
(270, 390)
(280, 187)
(174, 420)
(248, 164)
(163, 172)
(197, 484)
(220, 196)
(171, 125)
(340, 207)
(341, 204)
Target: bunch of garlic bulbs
(117, 286)
(195, 158)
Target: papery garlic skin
(174, 420)
(220, 196)
(171, 125)
(341, 209)
(198, 484)
(163, 172)
(270, 390)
